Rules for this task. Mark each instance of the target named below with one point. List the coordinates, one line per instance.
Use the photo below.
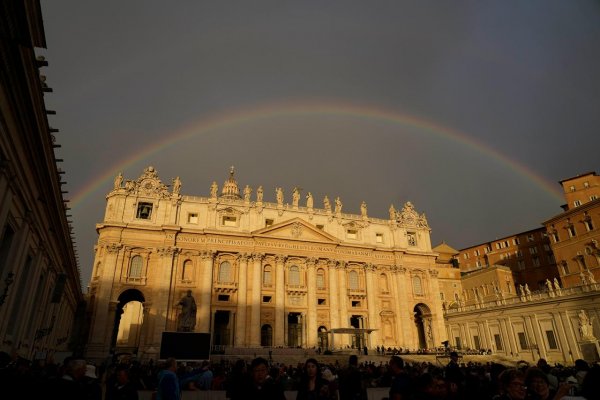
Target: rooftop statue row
(149, 184)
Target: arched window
(294, 276)
(417, 286)
(320, 279)
(383, 283)
(353, 280)
(187, 271)
(135, 267)
(267, 275)
(225, 272)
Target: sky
(471, 110)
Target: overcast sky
(471, 110)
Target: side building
(40, 289)
(554, 313)
(261, 273)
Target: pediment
(295, 229)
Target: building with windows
(554, 313)
(262, 273)
(574, 234)
(527, 254)
(40, 288)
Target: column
(163, 289)
(311, 320)
(333, 295)
(280, 319)
(255, 300)
(204, 306)
(344, 320)
(100, 334)
(240, 322)
(405, 325)
(436, 315)
(374, 337)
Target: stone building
(574, 234)
(558, 318)
(40, 288)
(527, 254)
(261, 273)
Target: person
(168, 382)
(204, 382)
(260, 386)
(452, 371)
(350, 381)
(400, 385)
(236, 381)
(187, 318)
(70, 385)
(312, 384)
(538, 384)
(122, 388)
(512, 385)
(91, 383)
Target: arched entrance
(221, 331)
(422, 320)
(129, 318)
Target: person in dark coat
(261, 386)
(122, 388)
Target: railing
(538, 295)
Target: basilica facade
(284, 274)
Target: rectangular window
(144, 210)
(520, 265)
(355, 303)
(229, 221)
(498, 341)
(555, 237)
(223, 297)
(379, 237)
(457, 342)
(533, 250)
(351, 234)
(321, 302)
(577, 203)
(593, 197)
(476, 342)
(320, 227)
(530, 237)
(192, 218)
(536, 261)
(477, 252)
(523, 341)
(268, 222)
(488, 248)
(266, 299)
(572, 188)
(571, 230)
(586, 184)
(589, 225)
(552, 345)
(516, 241)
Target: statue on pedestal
(187, 318)
(309, 200)
(279, 196)
(585, 326)
(118, 181)
(259, 194)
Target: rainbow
(268, 111)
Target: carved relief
(409, 217)
(148, 184)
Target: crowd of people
(310, 380)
